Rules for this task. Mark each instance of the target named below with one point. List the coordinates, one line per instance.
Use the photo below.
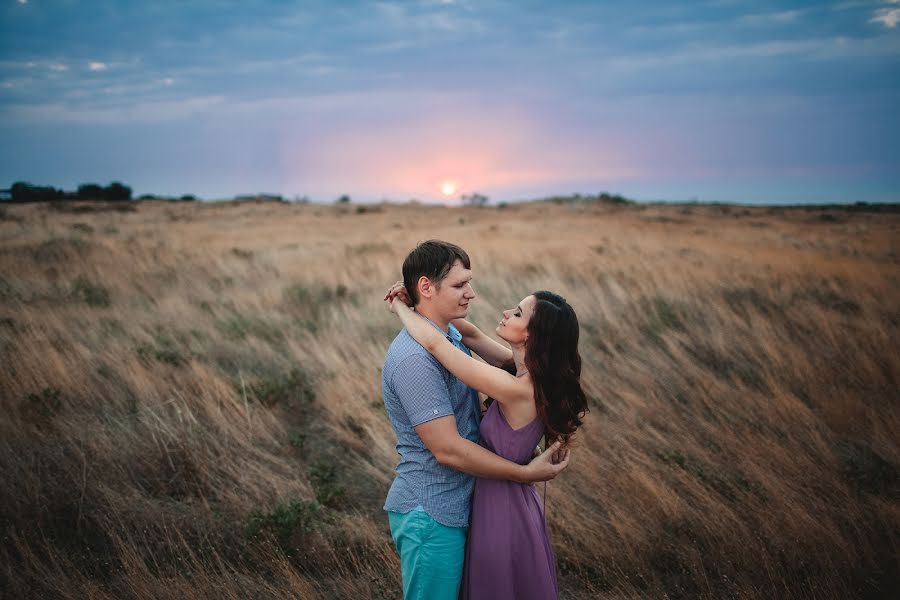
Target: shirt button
(435, 411)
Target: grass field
(192, 406)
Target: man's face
(452, 296)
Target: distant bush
(26, 192)
(614, 198)
(90, 191)
(114, 192)
(602, 197)
(474, 199)
(344, 199)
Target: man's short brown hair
(433, 259)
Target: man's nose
(470, 292)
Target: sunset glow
(448, 188)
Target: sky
(727, 100)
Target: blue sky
(717, 101)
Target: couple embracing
(464, 514)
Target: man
(436, 418)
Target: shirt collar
(452, 335)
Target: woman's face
(514, 326)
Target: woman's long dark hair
(552, 359)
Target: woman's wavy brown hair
(552, 358)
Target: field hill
(191, 395)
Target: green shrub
(43, 405)
(239, 327)
(295, 387)
(164, 349)
(324, 478)
(90, 294)
(297, 439)
(286, 522)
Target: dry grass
(191, 397)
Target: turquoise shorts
(431, 555)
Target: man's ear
(426, 287)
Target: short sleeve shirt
(417, 389)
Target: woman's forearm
(476, 340)
(468, 330)
(418, 328)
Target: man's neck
(427, 312)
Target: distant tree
(117, 192)
(22, 191)
(188, 198)
(474, 199)
(91, 191)
(612, 198)
(345, 199)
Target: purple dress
(508, 553)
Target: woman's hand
(396, 304)
(397, 291)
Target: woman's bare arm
(492, 352)
(494, 382)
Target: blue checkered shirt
(417, 389)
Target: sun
(448, 188)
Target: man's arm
(443, 440)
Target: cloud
(771, 18)
(816, 48)
(97, 66)
(400, 17)
(144, 111)
(889, 17)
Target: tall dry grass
(191, 396)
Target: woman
(534, 391)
